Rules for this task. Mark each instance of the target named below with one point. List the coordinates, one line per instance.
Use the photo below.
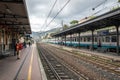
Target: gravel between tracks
(90, 70)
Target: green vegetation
(74, 22)
(114, 8)
(118, 0)
(65, 26)
(91, 17)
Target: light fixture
(8, 9)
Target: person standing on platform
(17, 50)
(24, 44)
(29, 43)
(99, 43)
(14, 46)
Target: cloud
(76, 9)
(38, 24)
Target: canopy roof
(108, 19)
(13, 15)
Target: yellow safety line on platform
(30, 66)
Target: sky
(38, 11)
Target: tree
(65, 26)
(118, 0)
(74, 22)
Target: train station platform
(28, 67)
(107, 55)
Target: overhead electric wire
(56, 25)
(66, 5)
(52, 9)
(58, 13)
(98, 11)
(99, 5)
(101, 10)
(50, 12)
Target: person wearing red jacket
(17, 49)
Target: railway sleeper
(61, 73)
(65, 77)
(53, 77)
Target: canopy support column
(61, 40)
(55, 39)
(58, 39)
(70, 39)
(92, 46)
(117, 38)
(65, 39)
(79, 39)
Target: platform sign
(103, 32)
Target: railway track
(94, 67)
(103, 62)
(56, 69)
(113, 67)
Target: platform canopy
(108, 19)
(14, 16)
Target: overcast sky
(38, 11)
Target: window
(103, 39)
(113, 39)
(84, 39)
(88, 39)
(95, 39)
(107, 39)
(81, 39)
(75, 39)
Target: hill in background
(44, 34)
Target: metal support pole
(92, 48)
(55, 40)
(70, 39)
(58, 39)
(65, 39)
(79, 39)
(62, 40)
(117, 38)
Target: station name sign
(103, 32)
